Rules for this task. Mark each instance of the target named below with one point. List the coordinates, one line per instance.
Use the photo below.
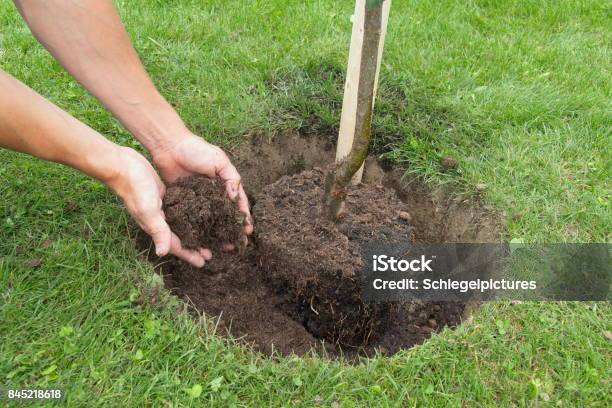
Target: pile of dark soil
(295, 287)
(200, 213)
(318, 263)
(233, 288)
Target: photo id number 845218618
(31, 394)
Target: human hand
(191, 155)
(142, 191)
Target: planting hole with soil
(267, 311)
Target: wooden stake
(341, 176)
(349, 104)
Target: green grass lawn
(518, 91)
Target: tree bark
(340, 177)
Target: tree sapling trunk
(340, 176)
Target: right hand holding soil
(141, 190)
(190, 155)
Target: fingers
(236, 192)
(206, 254)
(230, 175)
(243, 205)
(142, 192)
(195, 257)
(160, 232)
(167, 242)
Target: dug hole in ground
(296, 287)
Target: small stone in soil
(404, 215)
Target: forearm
(31, 124)
(89, 40)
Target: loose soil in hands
(201, 214)
(295, 289)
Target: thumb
(160, 232)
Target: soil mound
(317, 262)
(296, 287)
(200, 213)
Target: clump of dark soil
(288, 303)
(318, 263)
(201, 214)
(235, 290)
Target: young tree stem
(340, 177)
